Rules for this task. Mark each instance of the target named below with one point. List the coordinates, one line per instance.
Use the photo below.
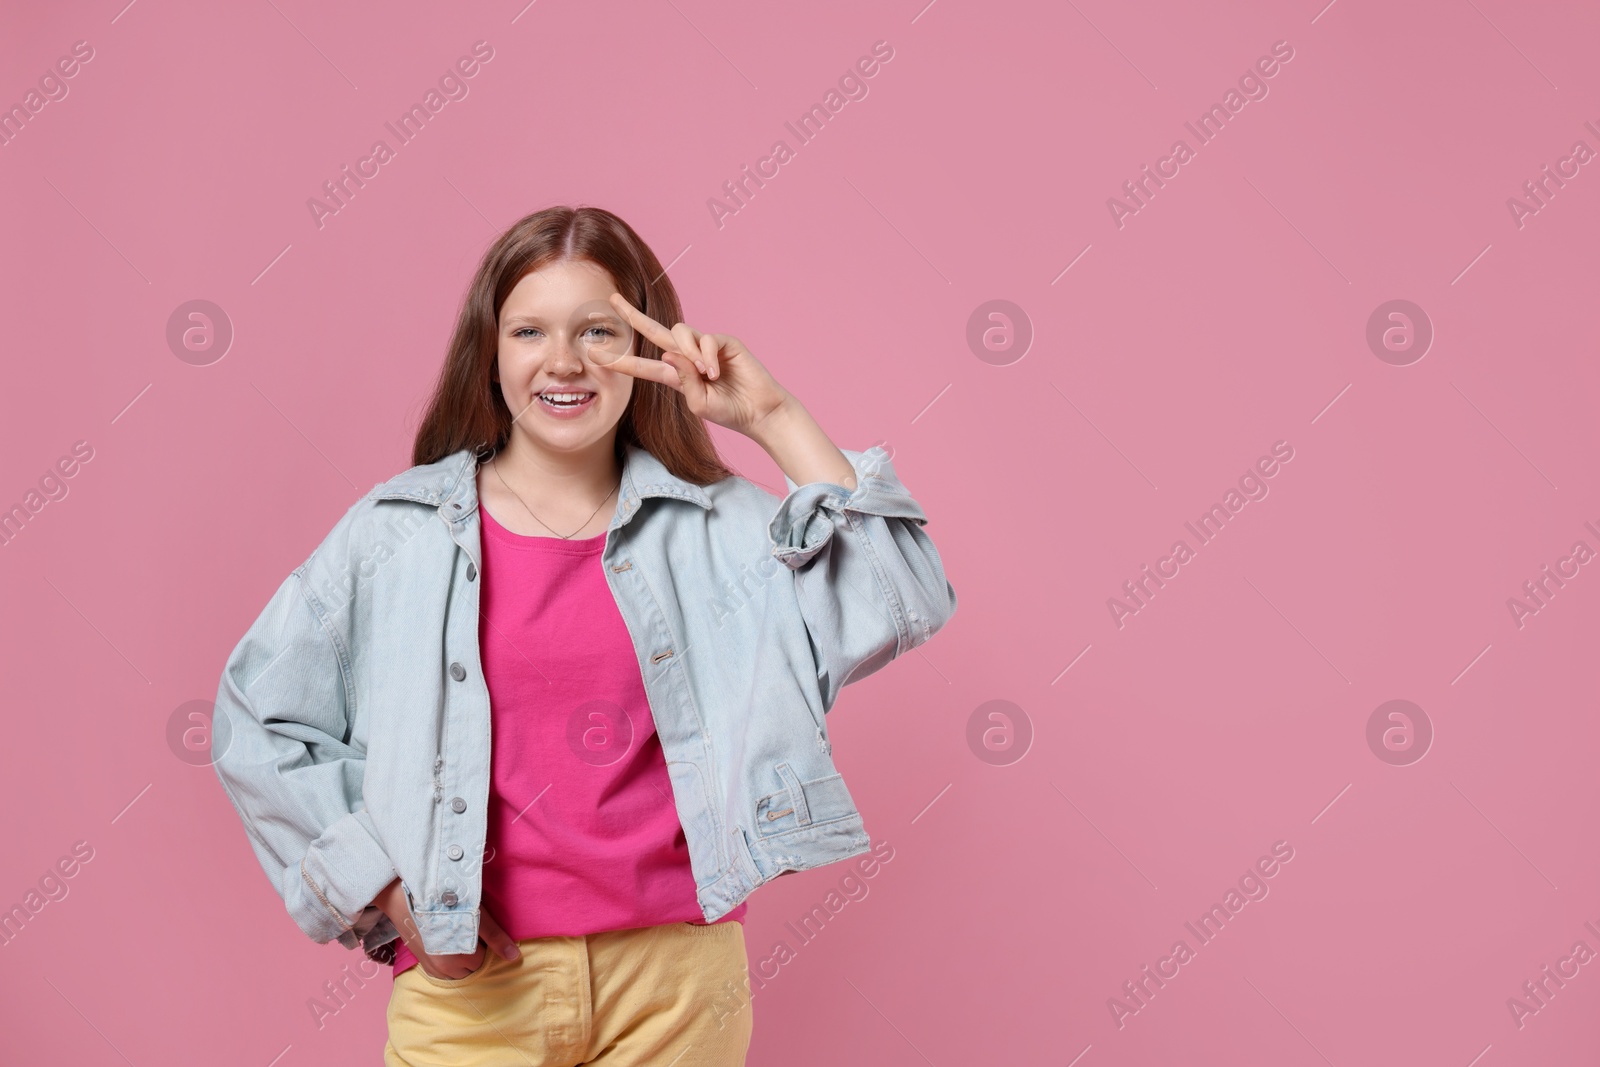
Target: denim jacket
(352, 729)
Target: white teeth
(565, 398)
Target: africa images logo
(453, 85)
(1139, 592)
(1252, 86)
(1252, 887)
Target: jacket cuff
(335, 882)
(808, 516)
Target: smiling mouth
(567, 401)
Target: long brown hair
(468, 410)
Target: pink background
(1228, 314)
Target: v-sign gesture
(718, 376)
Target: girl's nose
(564, 356)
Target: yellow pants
(677, 994)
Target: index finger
(654, 370)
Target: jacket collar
(451, 485)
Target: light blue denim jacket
(352, 728)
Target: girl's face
(555, 317)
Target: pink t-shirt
(583, 836)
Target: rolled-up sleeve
(868, 578)
(282, 753)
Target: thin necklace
(494, 465)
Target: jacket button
(458, 805)
(472, 571)
(458, 672)
(454, 852)
(449, 900)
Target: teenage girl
(562, 406)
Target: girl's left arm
(869, 581)
(800, 447)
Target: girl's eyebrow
(594, 317)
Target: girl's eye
(525, 330)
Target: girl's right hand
(450, 967)
(454, 966)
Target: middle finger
(657, 333)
